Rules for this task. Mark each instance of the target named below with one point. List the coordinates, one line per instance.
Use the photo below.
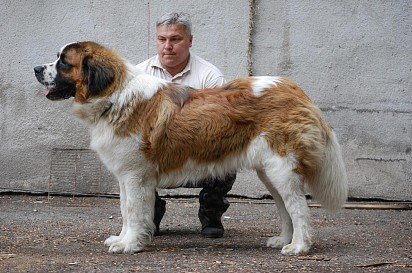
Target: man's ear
(191, 41)
(99, 76)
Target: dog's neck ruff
(106, 110)
(137, 88)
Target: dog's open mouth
(55, 94)
(52, 94)
(49, 90)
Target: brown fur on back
(212, 124)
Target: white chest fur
(120, 155)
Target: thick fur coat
(155, 134)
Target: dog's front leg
(114, 239)
(138, 211)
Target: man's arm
(215, 82)
(206, 73)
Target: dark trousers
(212, 200)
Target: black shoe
(212, 207)
(160, 209)
(210, 219)
(213, 232)
(212, 226)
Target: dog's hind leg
(289, 186)
(287, 227)
(139, 212)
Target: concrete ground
(64, 234)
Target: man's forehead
(171, 30)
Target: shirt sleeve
(215, 82)
(144, 66)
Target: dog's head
(82, 70)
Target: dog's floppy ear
(99, 76)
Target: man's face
(173, 45)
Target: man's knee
(213, 195)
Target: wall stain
(381, 159)
(4, 87)
(362, 110)
(253, 7)
(285, 65)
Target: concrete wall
(353, 58)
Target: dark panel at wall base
(79, 171)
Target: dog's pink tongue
(47, 91)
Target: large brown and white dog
(154, 134)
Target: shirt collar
(185, 70)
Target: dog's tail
(330, 183)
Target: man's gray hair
(176, 18)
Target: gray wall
(352, 57)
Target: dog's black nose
(38, 69)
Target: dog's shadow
(190, 240)
(178, 232)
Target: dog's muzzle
(49, 92)
(57, 88)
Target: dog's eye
(64, 65)
(63, 61)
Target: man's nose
(168, 45)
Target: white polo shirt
(198, 73)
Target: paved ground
(64, 234)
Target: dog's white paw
(123, 247)
(111, 240)
(277, 241)
(295, 249)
